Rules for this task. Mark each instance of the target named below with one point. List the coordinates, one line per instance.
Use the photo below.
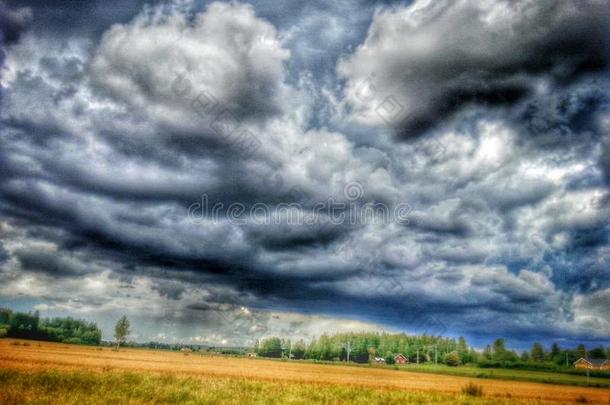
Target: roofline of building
(602, 361)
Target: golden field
(42, 372)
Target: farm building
(379, 360)
(592, 364)
(186, 350)
(400, 359)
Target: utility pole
(349, 349)
(417, 356)
(435, 355)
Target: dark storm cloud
(50, 263)
(474, 54)
(451, 225)
(589, 237)
(114, 242)
(3, 254)
(604, 161)
(75, 17)
(288, 237)
(565, 117)
(13, 22)
(170, 289)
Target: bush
(473, 390)
(73, 340)
(519, 365)
(5, 315)
(452, 359)
(3, 331)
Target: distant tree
(389, 359)
(452, 359)
(31, 326)
(499, 349)
(581, 351)
(525, 356)
(462, 346)
(5, 316)
(23, 325)
(312, 349)
(537, 353)
(462, 349)
(555, 350)
(598, 353)
(286, 347)
(327, 347)
(510, 355)
(298, 349)
(556, 355)
(474, 356)
(487, 353)
(271, 347)
(372, 353)
(121, 331)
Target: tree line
(31, 326)
(538, 357)
(364, 347)
(360, 347)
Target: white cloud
(171, 67)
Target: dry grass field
(40, 372)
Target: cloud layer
(205, 169)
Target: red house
(400, 359)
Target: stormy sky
(221, 171)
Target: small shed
(401, 359)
